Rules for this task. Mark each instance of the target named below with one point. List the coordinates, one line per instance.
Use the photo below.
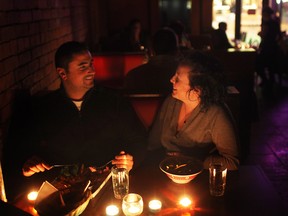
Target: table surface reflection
(248, 192)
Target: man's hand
(123, 160)
(34, 165)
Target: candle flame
(112, 210)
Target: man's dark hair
(165, 41)
(222, 25)
(177, 27)
(66, 51)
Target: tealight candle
(134, 210)
(155, 205)
(32, 196)
(112, 210)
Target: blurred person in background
(183, 38)
(154, 76)
(269, 51)
(219, 38)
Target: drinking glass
(120, 182)
(217, 179)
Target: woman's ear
(197, 91)
(194, 94)
(62, 73)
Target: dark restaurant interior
(31, 31)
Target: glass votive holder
(155, 206)
(112, 210)
(132, 204)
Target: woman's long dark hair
(205, 75)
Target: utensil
(102, 166)
(101, 186)
(179, 166)
(96, 168)
(62, 165)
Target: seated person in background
(183, 39)
(81, 123)
(132, 39)
(219, 38)
(154, 76)
(194, 120)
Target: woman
(194, 120)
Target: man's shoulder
(46, 95)
(49, 99)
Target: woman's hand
(34, 165)
(123, 160)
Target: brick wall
(30, 32)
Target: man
(269, 51)
(154, 76)
(81, 123)
(219, 38)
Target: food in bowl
(181, 169)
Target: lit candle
(134, 210)
(155, 205)
(112, 210)
(185, 202)
(32, 196)
(132, 204)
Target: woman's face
(180, 83)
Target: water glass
(120, 182)
(217, 179)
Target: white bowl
(181, 169)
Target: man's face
(80, 74)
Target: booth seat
(114, 66)
(146, 106)
(239, 67)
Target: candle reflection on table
(155, 206)
(185, 202)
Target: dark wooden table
(248, 192)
